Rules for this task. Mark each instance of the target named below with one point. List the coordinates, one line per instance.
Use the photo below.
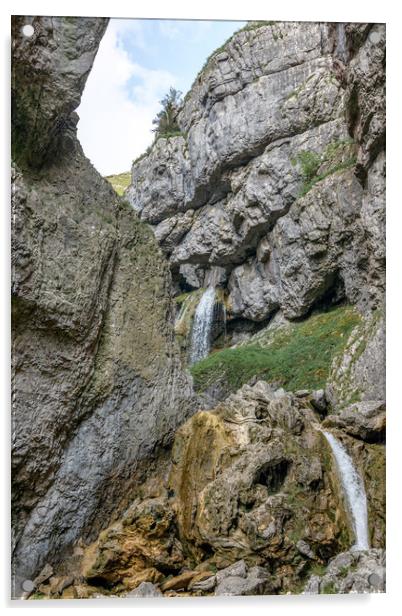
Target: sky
(137, 62)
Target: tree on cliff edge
(166, 120)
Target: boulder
(253, 583)
(145, 590)
(351, 572)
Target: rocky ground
(250, 503)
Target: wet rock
(250, 480)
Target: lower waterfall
(355, 492)
(202, 326)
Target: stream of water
(355, 492)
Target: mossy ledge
(296, 356)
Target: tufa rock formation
(97, 383)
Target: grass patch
(329, 589)
(168, 134)
(120, 182)
(341, 167)
(297, 356)
(314, 166)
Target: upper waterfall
(355, 492)
(202, 325)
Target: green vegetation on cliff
(297, 356)
(120, 181)
(337, 156)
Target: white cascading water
(202, 326)
(355, 492)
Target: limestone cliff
(97, 383)
(278, 176)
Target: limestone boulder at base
(351, 572)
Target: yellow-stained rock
(147, 575)
(143, 539)
(252, 478)
(179, 581)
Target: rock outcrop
(278, 176)
(97, 382)
(351, 572)
(249, 503)
(359, 373)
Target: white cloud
(115, 122)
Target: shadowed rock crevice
(272, 476)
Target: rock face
(97, 382)
(279, 176)
(359, 374)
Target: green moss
(298, 356)
(120, 182)
(37, 596)
(169, 134)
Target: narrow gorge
(198, 365)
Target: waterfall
(202, 326)
(353, 486)
(341, 51)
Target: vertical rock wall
(97, 383)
